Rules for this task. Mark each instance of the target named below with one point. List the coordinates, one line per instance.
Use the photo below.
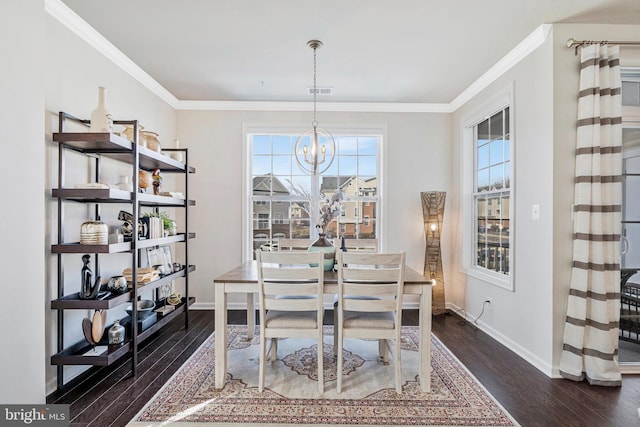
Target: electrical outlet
(489, 300)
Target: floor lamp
(433, 212)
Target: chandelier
(312, 146)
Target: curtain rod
(580, 43)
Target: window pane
(495, 148)
(506, 121)
(280, 186)
(483, 180)
(262, 185)
(368, 187)
(348, 145)
(348, 165)
(301, 186)
(368, 146)
(367, 165)
(300, 229)
(282, 145)
(261, 144)
(507, 149)
(483, 156)
(496, 176)
(507, 175)
(261, 165)
(483, 132)
(495, 126)
(282, 165)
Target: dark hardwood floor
(111, 396)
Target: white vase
(101, 120)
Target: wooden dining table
(244, 279)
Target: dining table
(243, 279)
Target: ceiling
(387, 51)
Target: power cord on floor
(464, 320)
(484, 304)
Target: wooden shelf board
(105, 195)
(119, 148)
(77, 248)
(153, 200)
(73, 301)
(73, 355)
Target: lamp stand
(433, 212)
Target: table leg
(220, 368)
(425, 339)
(251, 316)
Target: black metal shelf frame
(109, 145)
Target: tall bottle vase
(322, 244)
(101, 120)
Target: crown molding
(86, 32)
(82, 29)
(369, 107)
(522, 50)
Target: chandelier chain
(315, 87)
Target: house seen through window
(492, 193)
(281, 191)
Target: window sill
(491, 278)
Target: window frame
(501, 100)
(337, 130)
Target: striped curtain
(593, 314)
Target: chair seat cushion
(291, 319)
(364, 320)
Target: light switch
(535, 212)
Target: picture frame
(160, 256)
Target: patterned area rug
(291, 395)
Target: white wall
(522, 318)
(418, 158)
(74, 70)
(22, 359)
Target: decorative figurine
(157, 182)
(88, 290)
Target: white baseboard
(525, 354)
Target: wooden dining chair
(290, 290)
(357, 245)
(294, 244)
(370, 287)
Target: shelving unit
(98, 146)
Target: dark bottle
(343, 246)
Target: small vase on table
(322, 244)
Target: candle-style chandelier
(312, 146)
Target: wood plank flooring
(111, 396)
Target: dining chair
(357, 245)
(370, 287)
(293, 244)
(290, 290)
(351, 245)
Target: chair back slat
(389, 275)
(369, 306)
(291, 304)
(285, 273)
(300, 245)
(357, 245)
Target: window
(492, 193)
(280, 190)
